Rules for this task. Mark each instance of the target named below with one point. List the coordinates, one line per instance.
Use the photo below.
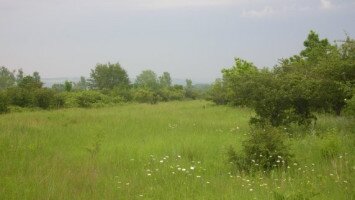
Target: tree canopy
(108, 76)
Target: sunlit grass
(173, 150)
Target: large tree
(7, 78)
(108, 76)
(147, 79)
(165, 80)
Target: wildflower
(295, 164)
(198, 176)
(179, 156)
(179, 169)
(161, 161)
(141, 195)
(183, 169)
(331, 174)
(208, 182)
(251, 189)
(192, 167)
(149, 174)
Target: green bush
(122, 93)
(265, 150)
(58, 100)
(350, 107)
(143, 95)
(87, 99)
(44, 98)
(171, 94)
(4, 103)
(21, 97)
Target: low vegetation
(281, 133)
(174, 150)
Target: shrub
(44, 98)
(4, 103)
(87, 99)
(21, 97)
(58, 100)
(264, 150)
(144, 95)
(350, 107)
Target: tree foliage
(108, 76)
(7, 78)
(319, 79)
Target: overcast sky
(188, 38)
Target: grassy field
(173, 150)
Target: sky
(188, 38)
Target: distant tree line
(108, 84)
(320, 78)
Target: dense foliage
(319, 79)
(108, 84)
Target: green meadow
(174, 150)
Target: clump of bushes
(143, 95)
(265, 150)
(87, 99)
(44, 98)
(4, 103)
(350, 107)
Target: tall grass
(173, 150)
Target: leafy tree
(189, 89)
(31, 82)
(82, 84)
(147, 79)
(218, 92)
(19, 76)
(165, 80)
(236, 78)
(7, 78)
(58, 87)
(68, 86)
(108, 76)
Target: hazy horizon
(187, 38)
